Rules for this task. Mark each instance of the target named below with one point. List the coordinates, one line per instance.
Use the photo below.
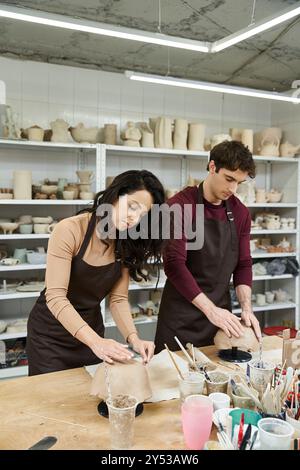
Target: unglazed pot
(147, 135)
(196, 136)
(288, 150)
(235, 133)
(219, 138)
(22, 184)
(36, 134)
(110, 134)
(60, 131)
(163, 133)
(85, 176)
(247, 138)
(81, 134)
(180, 134)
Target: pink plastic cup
(196, 415)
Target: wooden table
(58, 404)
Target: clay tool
(253, 439)
(241, 431)
(184, 351)
(174, 362)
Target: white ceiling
(268, 61)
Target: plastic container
(275, 434)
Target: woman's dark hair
(133, 253)
(233, 156)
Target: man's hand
(250, 319)
(225, 320)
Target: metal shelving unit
(59, 158)
(174, 164)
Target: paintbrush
(184, 351)
(253, 440)
(174, 362)
(280, 376)
(246, 438)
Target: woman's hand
(110, 350)
(142, 347)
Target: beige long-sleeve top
(64, 244)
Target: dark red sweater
(175, 254)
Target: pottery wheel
(103, 411)
(234, 355)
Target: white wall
(41, 92)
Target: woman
(65, 326)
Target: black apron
(211, 267)
(50, 347)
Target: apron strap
(230, 218)
(88, 235)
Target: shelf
(267, 277)
(141, 320)
(133, 151)
(22, 267)
(20, 236)
(13, 372)
(272, 255)
(133, 287)
(266, 205)
(45, 202)
(270, 232)
(27, 144)
(19, 295)
(266, 159)
(30, 144)
(5, 336)
(189, 153)
(268, 307)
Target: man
(196, 301)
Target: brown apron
(211, 267)
(50, 347)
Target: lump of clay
(246, 342)
(130, 378)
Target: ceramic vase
(196, 136)
(22, 181)
(180, 134)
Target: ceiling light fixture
(207, 86)
(256, 28)
(77, 24)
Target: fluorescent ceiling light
(76, 24)
(256, 28)
(88, 26)
(207, 86)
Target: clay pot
(288, 150)
(48, 189)
(36, 134)
(110, 134)
(246, 342)
(180, 134)
(9, 227)
(147, 135)
(196, 136)
(60, 131)
(22, 184)
(163, 133)
(274, 196)
(247, 138)
(81, 134)
(85, 176)
(219, 138)
(235, 133)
